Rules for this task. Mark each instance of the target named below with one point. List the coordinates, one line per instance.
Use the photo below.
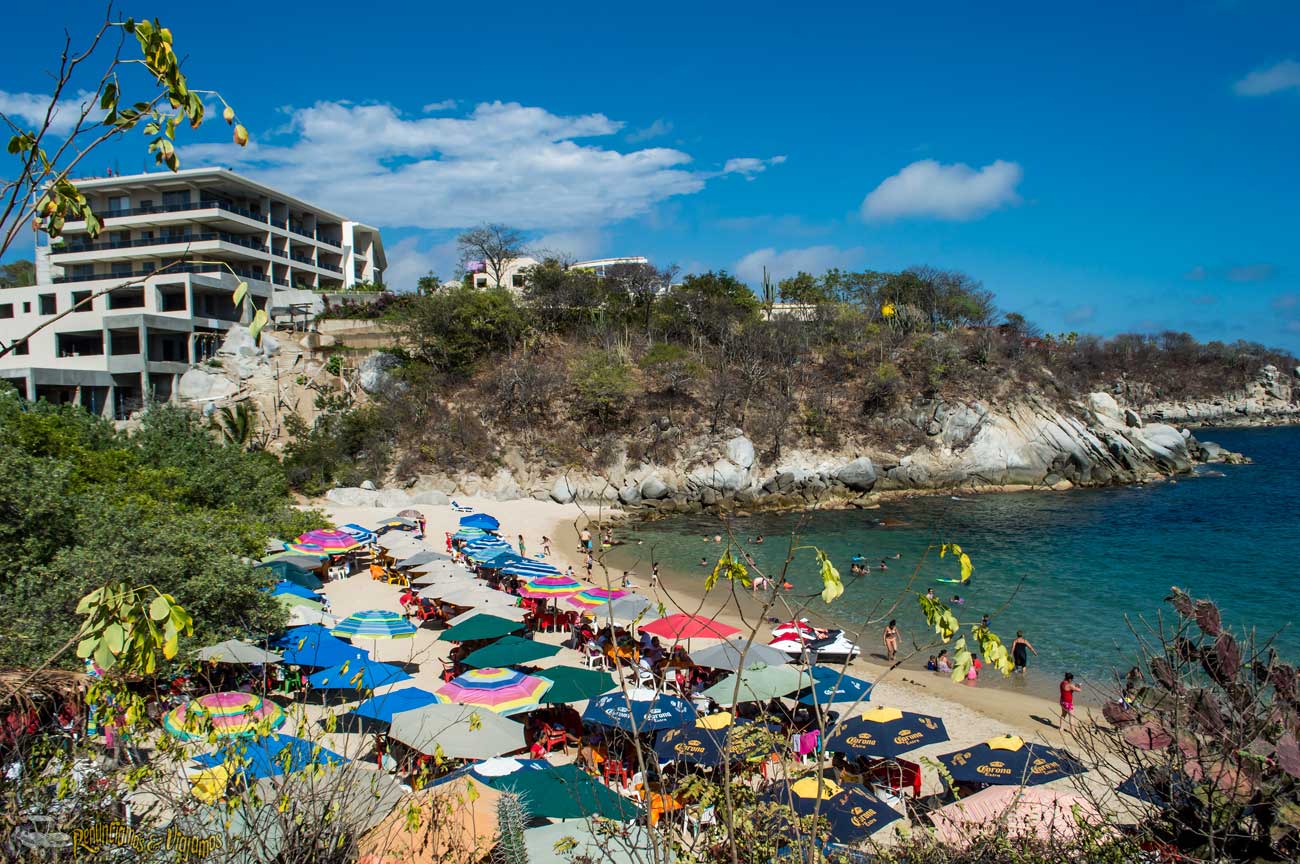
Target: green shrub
(603, 388)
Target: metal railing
(245, 272)
(223, 236)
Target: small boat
(801, 641)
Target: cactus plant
(512, 815)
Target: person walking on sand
(1068, 689)
(1020, 649)
(891, 640)
(522, 553)
(546, 547)
(589, 563)
(654, 574)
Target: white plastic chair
(594, 658)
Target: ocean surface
(1075, 570)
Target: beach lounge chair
(460, 508)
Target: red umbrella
(681, 626)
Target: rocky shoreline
(968, 446)
(1271, 399)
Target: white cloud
(810, 259)
(413, 257)
(1273, 79)
(503, 162)
(657, 129)
(28, 110)
(928, 188)
(444, 105)
(749, 166)
(577, 245)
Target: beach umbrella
(512, 613)
(467, 596)
(574, 683)
(504, 691)
(308, 560)
(228, 714)
(484, 552)
(430, 574)
(384, 706)
(289, 601)
(313, 645)
(329, 541)
(830, 686)
(510, 651)
(286, 587)
(528, 568)
(851, 812)
(502, 558)
(410, 514)
(288, 571)
(727, 655)
(468, 534)
(639, 709)
(1018, 812)
(885, 733)
(482, 626)
(698, 745)
(363, 536)
(424, 556)
(1009, 760)
(269, 756)
(592, 598)
(625, 609)
(374, 624)
(548, 587)
(457, 731)
(481, 521)
(681, 626)
(495, 602)
(758, 683)
(237, 651)
(358, 673)
(565, 792)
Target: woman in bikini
(891, 640)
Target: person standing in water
(1020, 649)
(1068, 689)
(521, 546)
(891, 640)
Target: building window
(49, 305)
(81, 297)
(6, 310)
(21, 348)
(517, 280)
(27, 307)
(119, 204)
(176, 200)
(480, 282)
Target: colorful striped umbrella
(529, 568)
(544, 587)
(325, 540)
(227, 714)
(503, 691)
(374, 624)
(590, 598)
(468, 534)
(362, 535)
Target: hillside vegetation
(577, 369)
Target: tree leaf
(259, 322)
(87, 646)
(240, 290)
(115, 637)
(159, 608)
(104, 658)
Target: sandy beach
(971, 714)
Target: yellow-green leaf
(966, 567)
(832, 585)
(240, 291)
(115, 636)
(259, 322)
(159, 608)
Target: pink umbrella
(504, 691)
(546, 587)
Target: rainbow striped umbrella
(374, 624)
(590, 598)
(545, 587)
(503, 691)
(228, 714)
(324, 540)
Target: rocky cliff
(967, 445)
(1273, 397)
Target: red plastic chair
(898, 775)
(613, 769)
(552, 738)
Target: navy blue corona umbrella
(641, 709)
(1009, 760)
(885, 733)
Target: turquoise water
(1069, 567)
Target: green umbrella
(510, 651)
(293, 573)
(565, 792)
(483, 626)
(288, 601)
(758, 684)
(573, 683)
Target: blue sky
(1109, 168)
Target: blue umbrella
(528, 567)
(313, 645)
(484, 552)
(644, 710)
(829, 687)
(287, 587)
(502, 558)
(482, 521)
(1009, 760)
(271, 756)
(385, 705)
(885, 733)
(363, 535)
(739, 742)
(852, 812)
(358, 673)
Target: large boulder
(859, 475)
(430, 496)
(740, 450)
(721, 476)
(203, 384)
(563, 491)
(374, 372)
(1104, 405)
(350, 496)
(394, 499)
(653, 488)
(630, 494)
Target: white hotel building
(130, 346)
